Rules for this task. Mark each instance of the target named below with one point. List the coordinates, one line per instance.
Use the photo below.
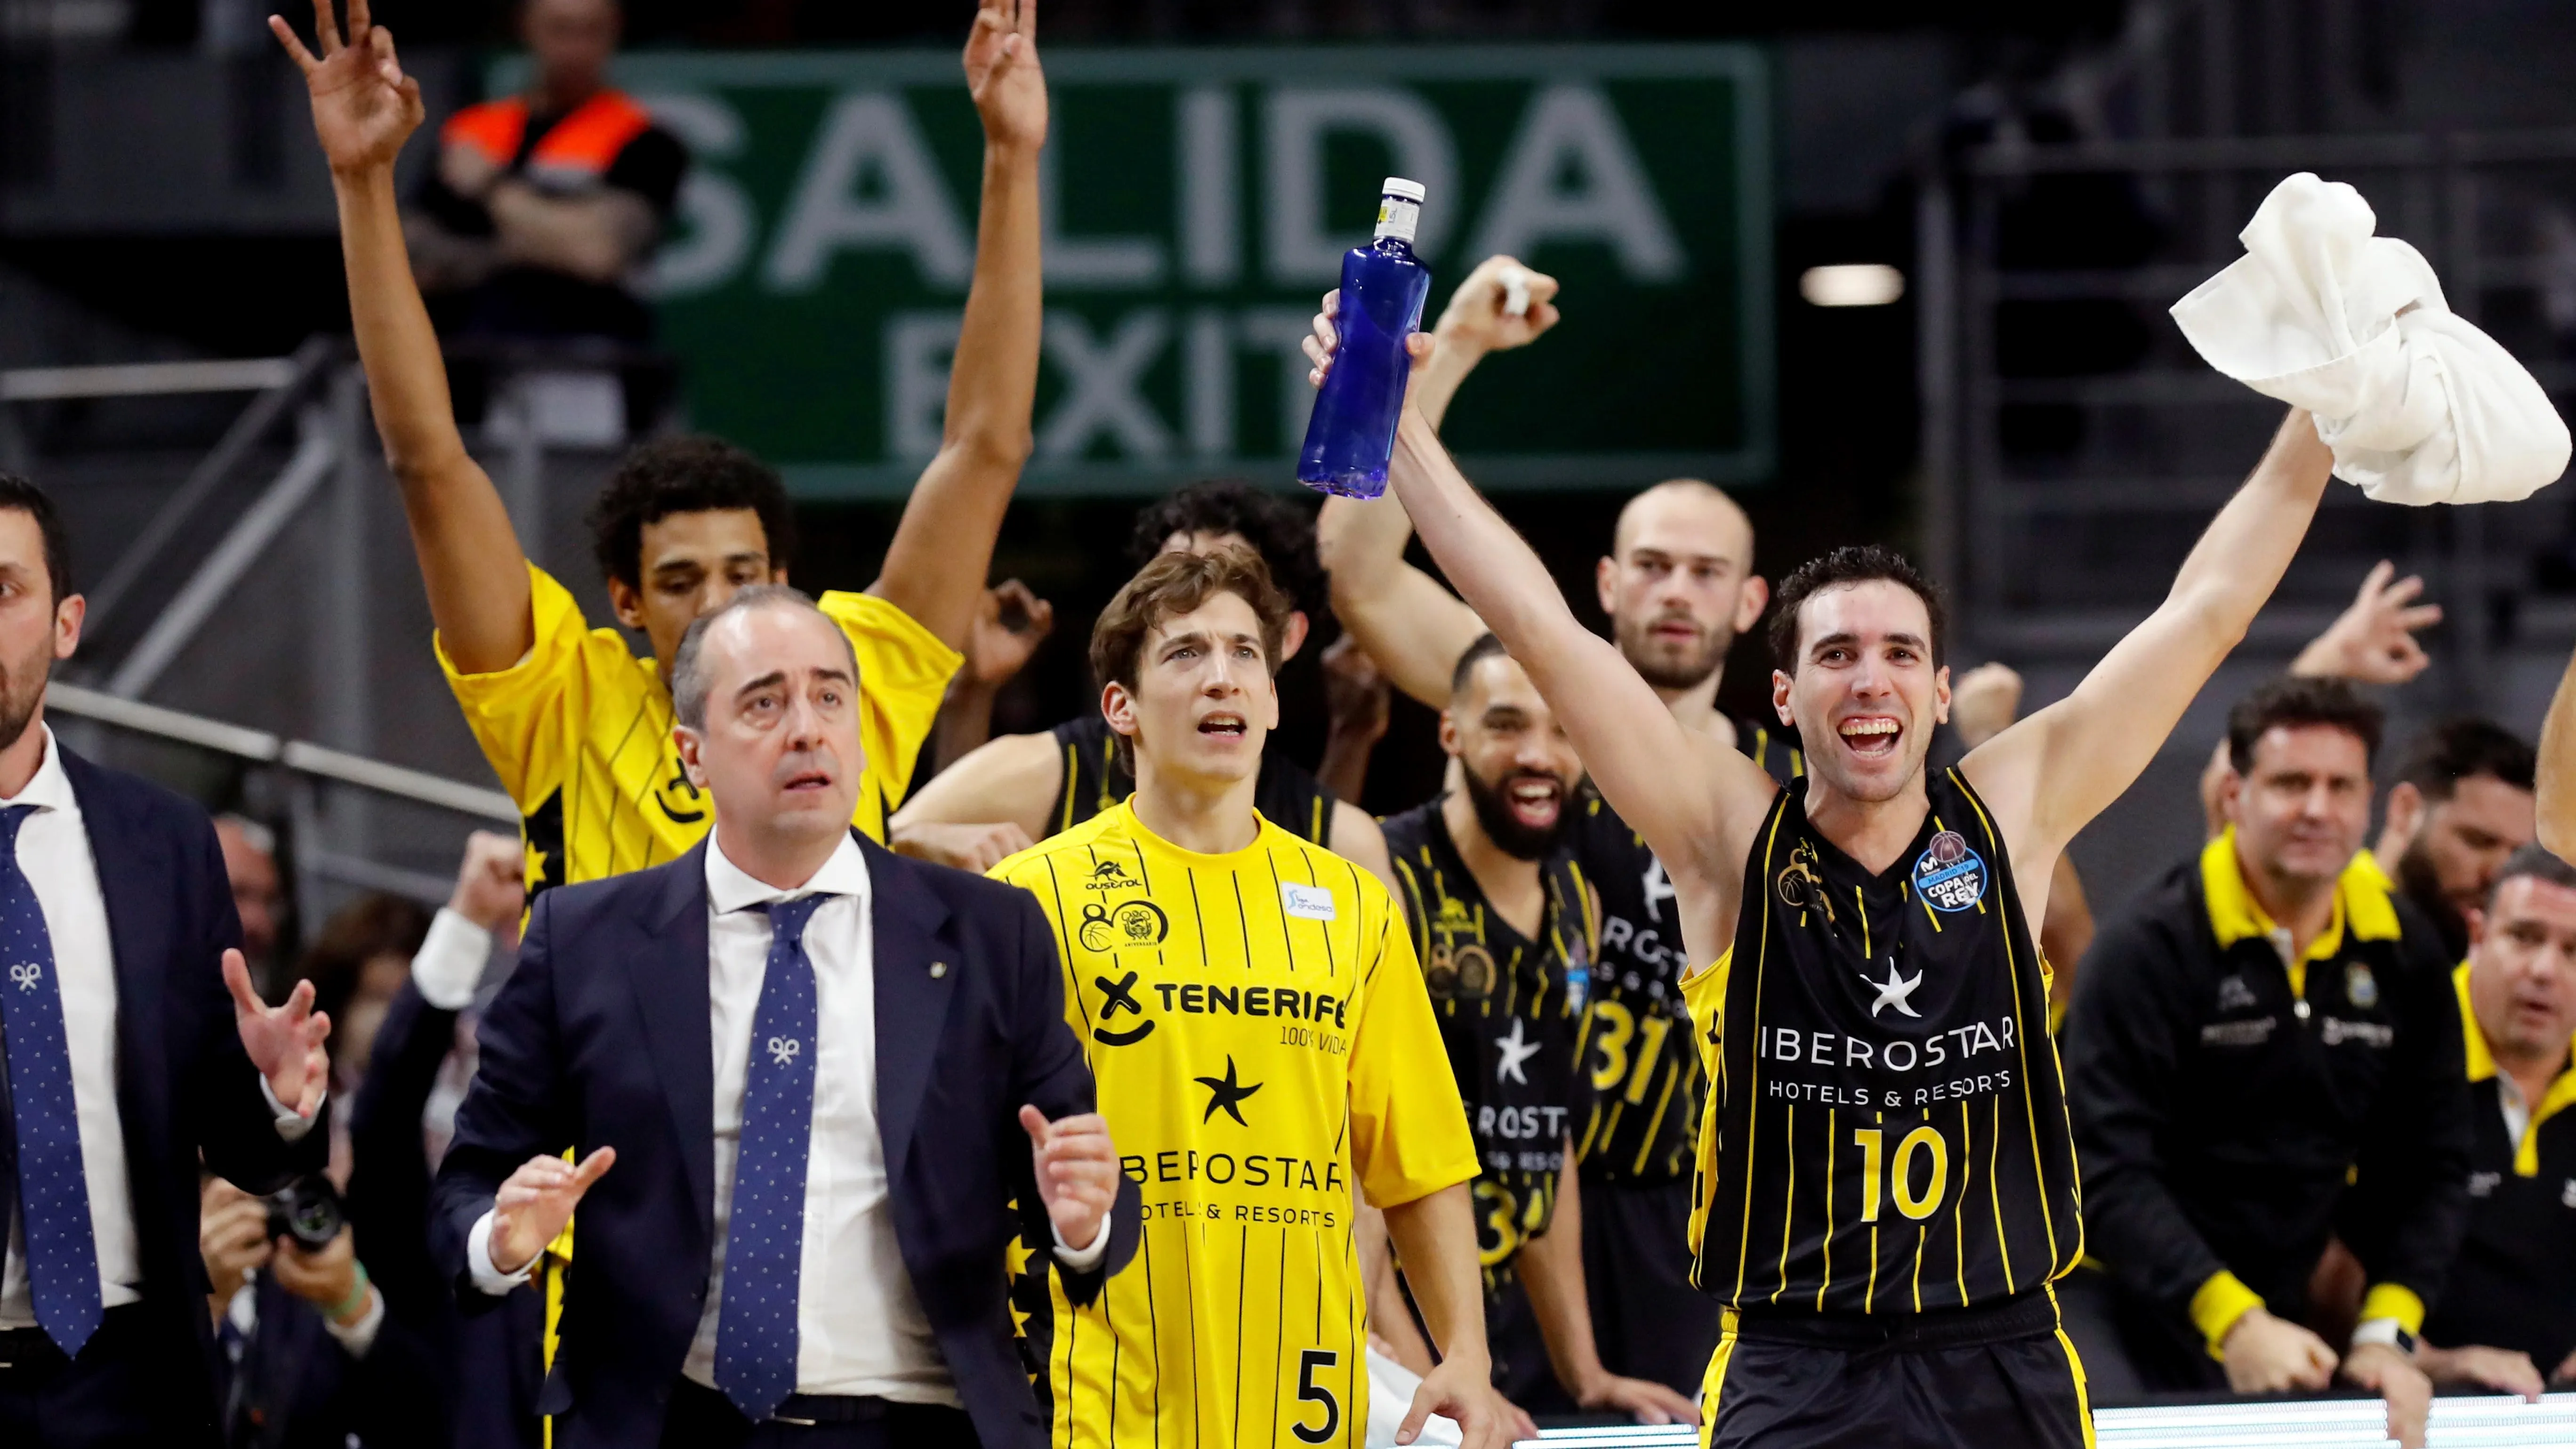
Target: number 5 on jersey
(1900, 1173)
(1309, 1391)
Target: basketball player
(1679, 587)
(1251, 1008)
(577, 728)
(1885, 1178)
(1012, 791)
(1504, 925)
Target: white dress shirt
(860, 1330)
(54, 855)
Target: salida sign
(1197, 203)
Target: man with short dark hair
(1266, 1054)
(577, 727)
(127, 1071)
(2462, 802)
(1506, 930)
(835, 1086)
(2507, 1316)
(1885, 1188)
(2264, 1051)
(1680, 591)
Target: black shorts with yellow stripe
(1960, 1378)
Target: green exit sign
(1198, 203)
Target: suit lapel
(670, 980)
(916, 973)
(133, 882)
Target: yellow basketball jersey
(580, 733)
(1263, 1044)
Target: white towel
(1391, 1387)
(2418, 408)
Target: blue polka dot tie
(53, 1191)
(765, 1239)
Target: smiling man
(2262, 1051)
(1885, 1180)
(1504, 923)
(1266, 1054)
(1679, 589)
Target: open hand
(1077, 1171)
(2500, 1370)
(535, 1202)
(1011, 621)
(364, 107)
(284, 1042)
(1478, 317)
(1002, 73)
(2373, 639)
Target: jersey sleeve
(1409, 1136)
(528, 717)
(903, 675)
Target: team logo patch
(1949, 875)
(1134, 924)
(1108, 875)
(1306, 902)
(1116, 996)
(2235, 995)
(2360, 987)
(1801, 885)
(1458, 972)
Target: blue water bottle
(1352, 432)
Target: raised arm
(1697, 807)
(2557, 782)
(2047, 776)
(364, 108)
(934, 570)
(1401, 616)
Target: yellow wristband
(2218, 1305)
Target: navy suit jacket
(184, 1086)
(602, 1038)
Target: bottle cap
(1399, 208)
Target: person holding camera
(307, 1354)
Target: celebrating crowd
(1127, 1082)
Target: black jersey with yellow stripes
(1509, 1008)
(1888, 1129)
(1645, 1085)
(1288, 795)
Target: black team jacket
(2232, 1110)
(2514, 1285)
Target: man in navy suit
(126, 1063)
(835, 1085)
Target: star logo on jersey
(1225, 1094)
(1515, 1051)
(1894, 991)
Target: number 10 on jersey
(1900, 1173)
